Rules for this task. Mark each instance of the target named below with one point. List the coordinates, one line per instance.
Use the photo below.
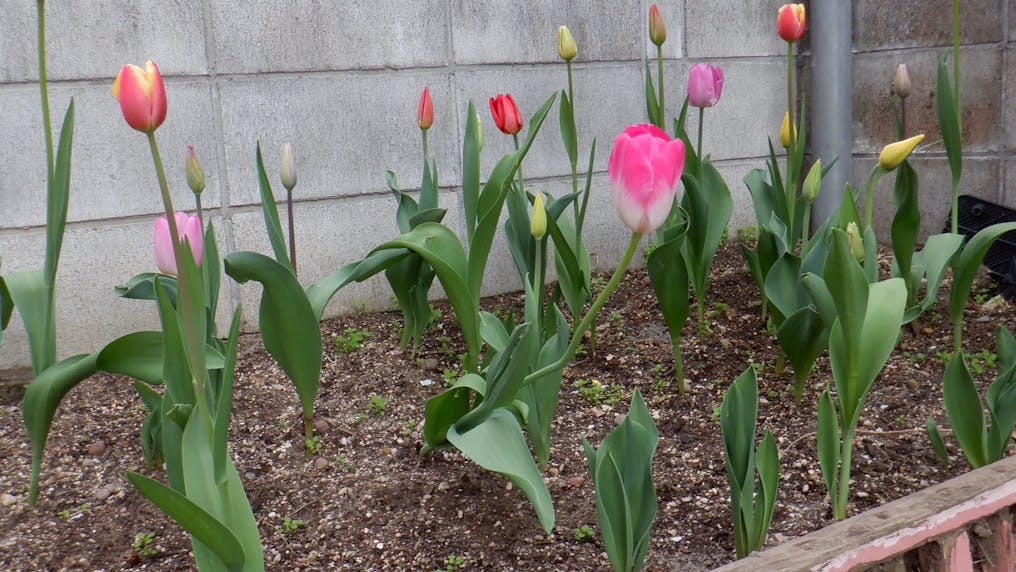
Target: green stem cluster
(191, 341)
(597, 305)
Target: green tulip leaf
(828, 443)
(42, 398)
(289, 326)
(497, 444)
(965, 410)
(58, 196)
(966, 265)
(271, 214)
(948, 111)
(204, 527)
(33, 298)
(471, 145)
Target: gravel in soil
(360, 497)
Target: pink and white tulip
(645, 170)
(189, 229)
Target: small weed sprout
(377, 404)
(345, 464)
(352, 340)
(748, 234)
(408, 427)
(584, 533)
(76, 511)
(291, 525)
(659, 380)
(449, 376)
(312, 446)
(359, 416)
(982, 360)
(596, 393)
(144, 544)
(453, 563)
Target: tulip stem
(805, 222)
(659, 76)
(701, 118)
(197, 205)
(538, 283)
(43, 88)
(959, 114)
(839, 499)
(574, 163)
(869, 193)
(590, 316)
(183, 297)
(292, 229)
(426, 151)
(522, 184)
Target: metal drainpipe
(831, 99)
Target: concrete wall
(341, 82)
(917, 32)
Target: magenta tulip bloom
(189, 229)
(705, 83)
(645, 168)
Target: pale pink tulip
(189, 229)
(705, 84)
(645, 169)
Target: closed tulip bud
(855, 241)
(142, 96)
(538, 220)
(901, 82)
(288, 171)
(657, 30)
(195, 176)
(788, 132)
(895, 153)
(645, 169)
(566, 47)
(189, 229)
(790, 22)
(705, 84)
(813, 182)
(425, 111)
(506, 114)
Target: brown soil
(368, 501)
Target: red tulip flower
(645, 169)
(790, 22)
(506, 114)
(705, 84)
(142, 96)
(657, 29)
(425, 111)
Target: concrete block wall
(917, 33)
(340, 81)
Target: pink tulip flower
(705, 83)
(142, 96)
(645, 169)
(189, 229)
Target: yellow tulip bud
(813, 182)
(855, 241)
(788, 132)
(895, 153)
(566, 47)
(538, 220)
(195, 176)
